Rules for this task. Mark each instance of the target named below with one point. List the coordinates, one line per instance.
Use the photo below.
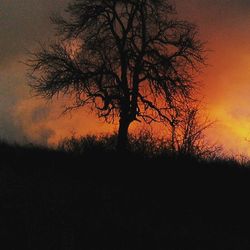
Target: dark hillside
(56, 200)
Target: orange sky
(224, 24)
(226, 82)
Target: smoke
(224, 24)
(23, 24)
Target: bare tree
(187, 129)
(124, 58)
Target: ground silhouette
(53, 199)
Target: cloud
(23, 23)
(223, 23)
(40, 113)
(10, 130)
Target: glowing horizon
(225, 82)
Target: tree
(187, 130)
(124, 58)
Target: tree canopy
(125, 58)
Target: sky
(225, 83)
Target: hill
(52, 199)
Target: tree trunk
(122, 140)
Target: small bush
(143, 144)
(88, 144)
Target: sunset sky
(223, 24)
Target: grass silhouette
(84, 195)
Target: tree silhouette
(125, 58)
(187, 130)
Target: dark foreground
(56, 201)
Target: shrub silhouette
(88, 144)
(142, 143)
